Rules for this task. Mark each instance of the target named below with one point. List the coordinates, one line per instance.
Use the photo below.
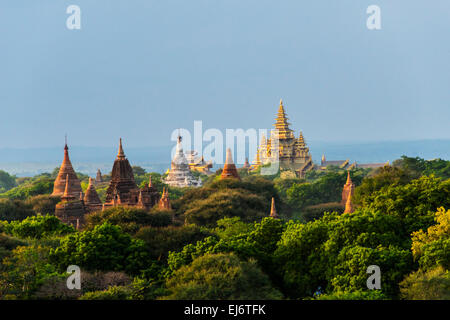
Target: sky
(139, 69)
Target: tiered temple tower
(71, 209)
(292, 153)
(229, 169)
(179, 174)
(91, 199)
(348, 190)
(149, 196)
(65, 170)
(122, 189)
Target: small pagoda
(148, 196)
(229, 169)
(164, 202)
(71, 209)
(179, 174)
(91, 199)
(66, 170)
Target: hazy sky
(139, 69)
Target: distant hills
(32, 161)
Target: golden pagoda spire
(120, 153)
(282, 124)
(273, 210)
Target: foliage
(415, 202)
(162, 240)
(310, 213)
(14, 210)
(354, 295)
(432, 248)
(7, 181)
(226, 203)
(33, 187)
(220, 276)
(433, 284)
(38, 227)
(418, 166)
(105, 248)
(25, 270)
(129, 219)
(43, 204)
(328, 188)
(112, 293)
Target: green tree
(105, 248)
(129, 219)
(433, 284)
(37, 227)
(220, 276)
(7, 181)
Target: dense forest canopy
(218, 241)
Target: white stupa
(179, 174)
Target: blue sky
(140, 69)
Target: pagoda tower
(293, 153)
(65, 170)
(348, 189)
(349, 205)
(91, 199)
(99, 178)
(179, 174)
(71, 209)
(282, 124)
(229, 169)
(273, 210)
(164, 202)
(122, 188)
(149, 196)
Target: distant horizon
(32, 161)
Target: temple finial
(120, 153)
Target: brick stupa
(91, 199)
(229, 169)
(122, 188)
(149, 196)
(71, 209)
(66, 170)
